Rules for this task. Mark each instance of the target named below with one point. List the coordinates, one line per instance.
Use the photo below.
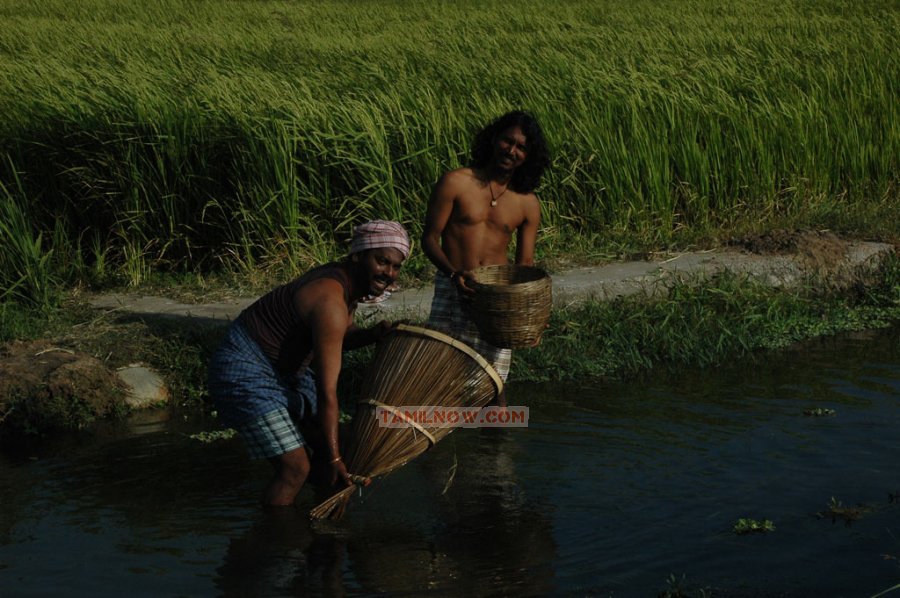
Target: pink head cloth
(380, 233)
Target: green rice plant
(260, 137)
(25, 273)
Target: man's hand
(462, 280)
(339, 472)
(384, 328)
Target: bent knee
(293, 466)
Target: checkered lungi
(251, 396)
(448, 315)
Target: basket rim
(512, 267)
(456, 344)
(539, 279)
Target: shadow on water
(612, 490)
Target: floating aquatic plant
(836, 510)
(215, 435)
(750, 526)
(819, 412)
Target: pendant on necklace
(493, 197)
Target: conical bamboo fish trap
(413, 367)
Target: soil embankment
(45, 385)
(780, 258)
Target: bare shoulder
(322, 296)
(531, 206)
(458, 179)
(530, 200)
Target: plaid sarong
(447, 314)
(251, 396)
(273, 434)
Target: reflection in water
(612, 489)
(480, 537)
(281, 555)
(501, 535)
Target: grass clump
(699, 324)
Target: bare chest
(479, 208)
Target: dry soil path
(777, 263)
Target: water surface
(612, 489)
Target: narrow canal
(625, 489)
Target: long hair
(526, 177)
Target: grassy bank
(700, 325)
(174, 136)
(696, 325)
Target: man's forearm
(436, 255)
(329, 422)
(359, 337)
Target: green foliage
(836, 511)
(257, 140)
(18, 321)
(886, 288)
(214, 436)
(696, 324)
(26, 276)
(751, 526)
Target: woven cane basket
(511, 304)
(413, 367)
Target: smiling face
(376, 269)
(510, 148)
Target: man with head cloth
(280, 360)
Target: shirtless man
(278, 366)
(473, 214)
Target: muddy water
(609, 492)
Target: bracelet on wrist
(453, 275)
(335, 460)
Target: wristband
(335, 460)
(453, 275)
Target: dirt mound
(823, 246)
(43, 387)
(821, 252)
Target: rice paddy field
(199, 136)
